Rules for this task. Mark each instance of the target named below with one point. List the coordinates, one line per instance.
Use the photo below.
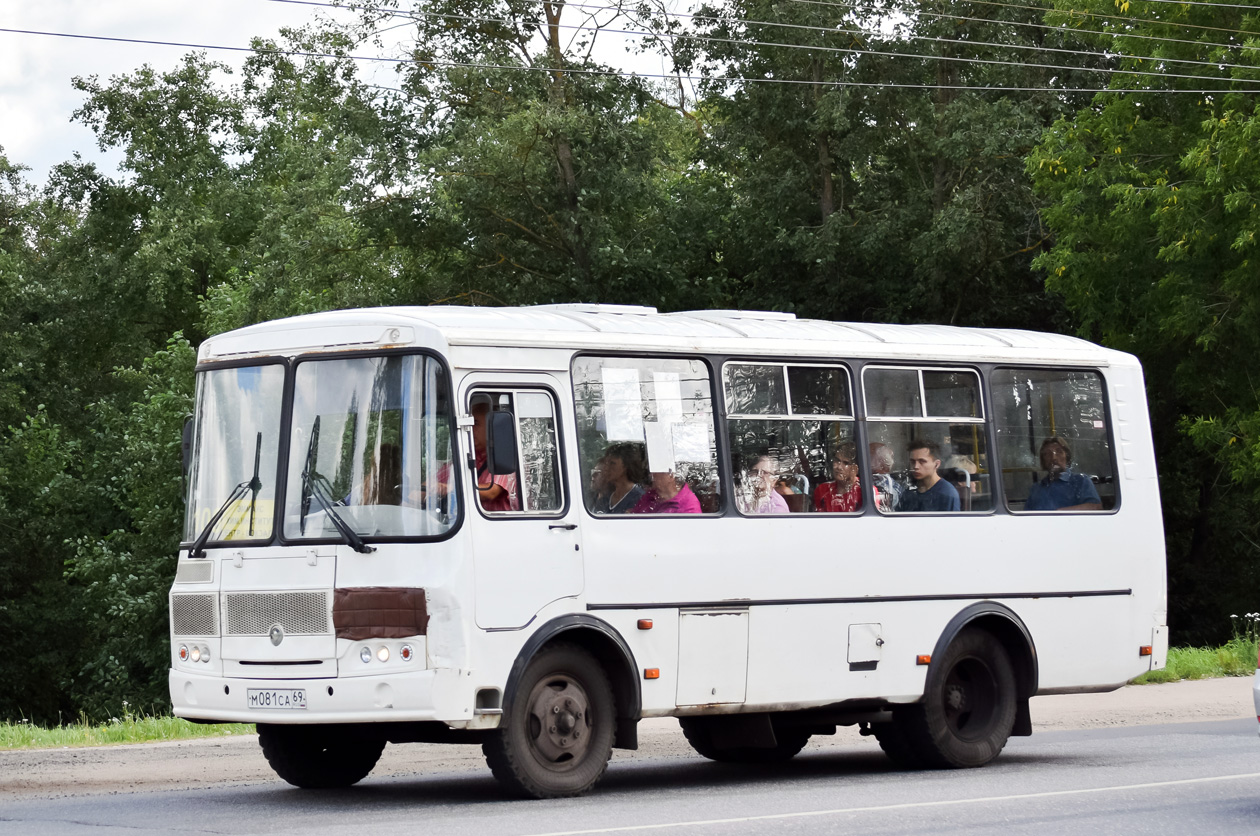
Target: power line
(414, 15)
(621, 73)
(996, 3)
(1043, 10)
(928, 38)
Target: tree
(1151, 202)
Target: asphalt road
(1199, 777)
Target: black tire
(968, 711)
(556, 737)
(307, 757)
(896, 744)
(697, 730)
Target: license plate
(276, 697)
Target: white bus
(532, 527)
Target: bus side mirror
(186, 444)
(501, 443)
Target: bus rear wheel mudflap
(314, 757)
(708, 737)
(967, 712)
(557, 733)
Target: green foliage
(886, 193)
(1151, 202)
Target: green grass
(128, 729)
(1236, 657)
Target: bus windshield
(370, 449)
(235, 453)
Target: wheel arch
(1002, 623)
(602, 641)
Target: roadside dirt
(59, 773)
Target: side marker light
(651, 673)
(645, 624)
(1144, 650)
(925, 659)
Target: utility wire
(996, 3)
(622, 73)
(1219, 65)
(859, 51)
(1043, 10)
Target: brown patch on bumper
(379, 612)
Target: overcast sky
(36, 97)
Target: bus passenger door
(525, 535)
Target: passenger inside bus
(668, 494)
(888, 490)
(497, 493)
(844, 493)
(1061, 489)
(622, 473)
(933, 493)
(759, 494)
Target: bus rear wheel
(557, 735)
(307, 757)
(698, 731)
(968, 711)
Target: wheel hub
(560, 721)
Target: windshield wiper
(315, 484)
(253, 484)
(307, 467)
(319, 488)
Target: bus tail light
(183, 653)
(406, 653)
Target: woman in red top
(845, 493)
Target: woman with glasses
(758, 495)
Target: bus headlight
(365, 654)
(195, 653)
(382, 653)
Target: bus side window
(1053, 440)
(926, 440)
(535, 487)
(792, 438)
(646, 440)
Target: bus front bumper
(441, 695)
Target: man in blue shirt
(934, 493)
(1061, 489)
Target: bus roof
(626, 327)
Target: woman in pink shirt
(668, 495)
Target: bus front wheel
(306, 757)
(968, 710)
(557, 735)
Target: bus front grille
(255, 613)
(195, 615)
